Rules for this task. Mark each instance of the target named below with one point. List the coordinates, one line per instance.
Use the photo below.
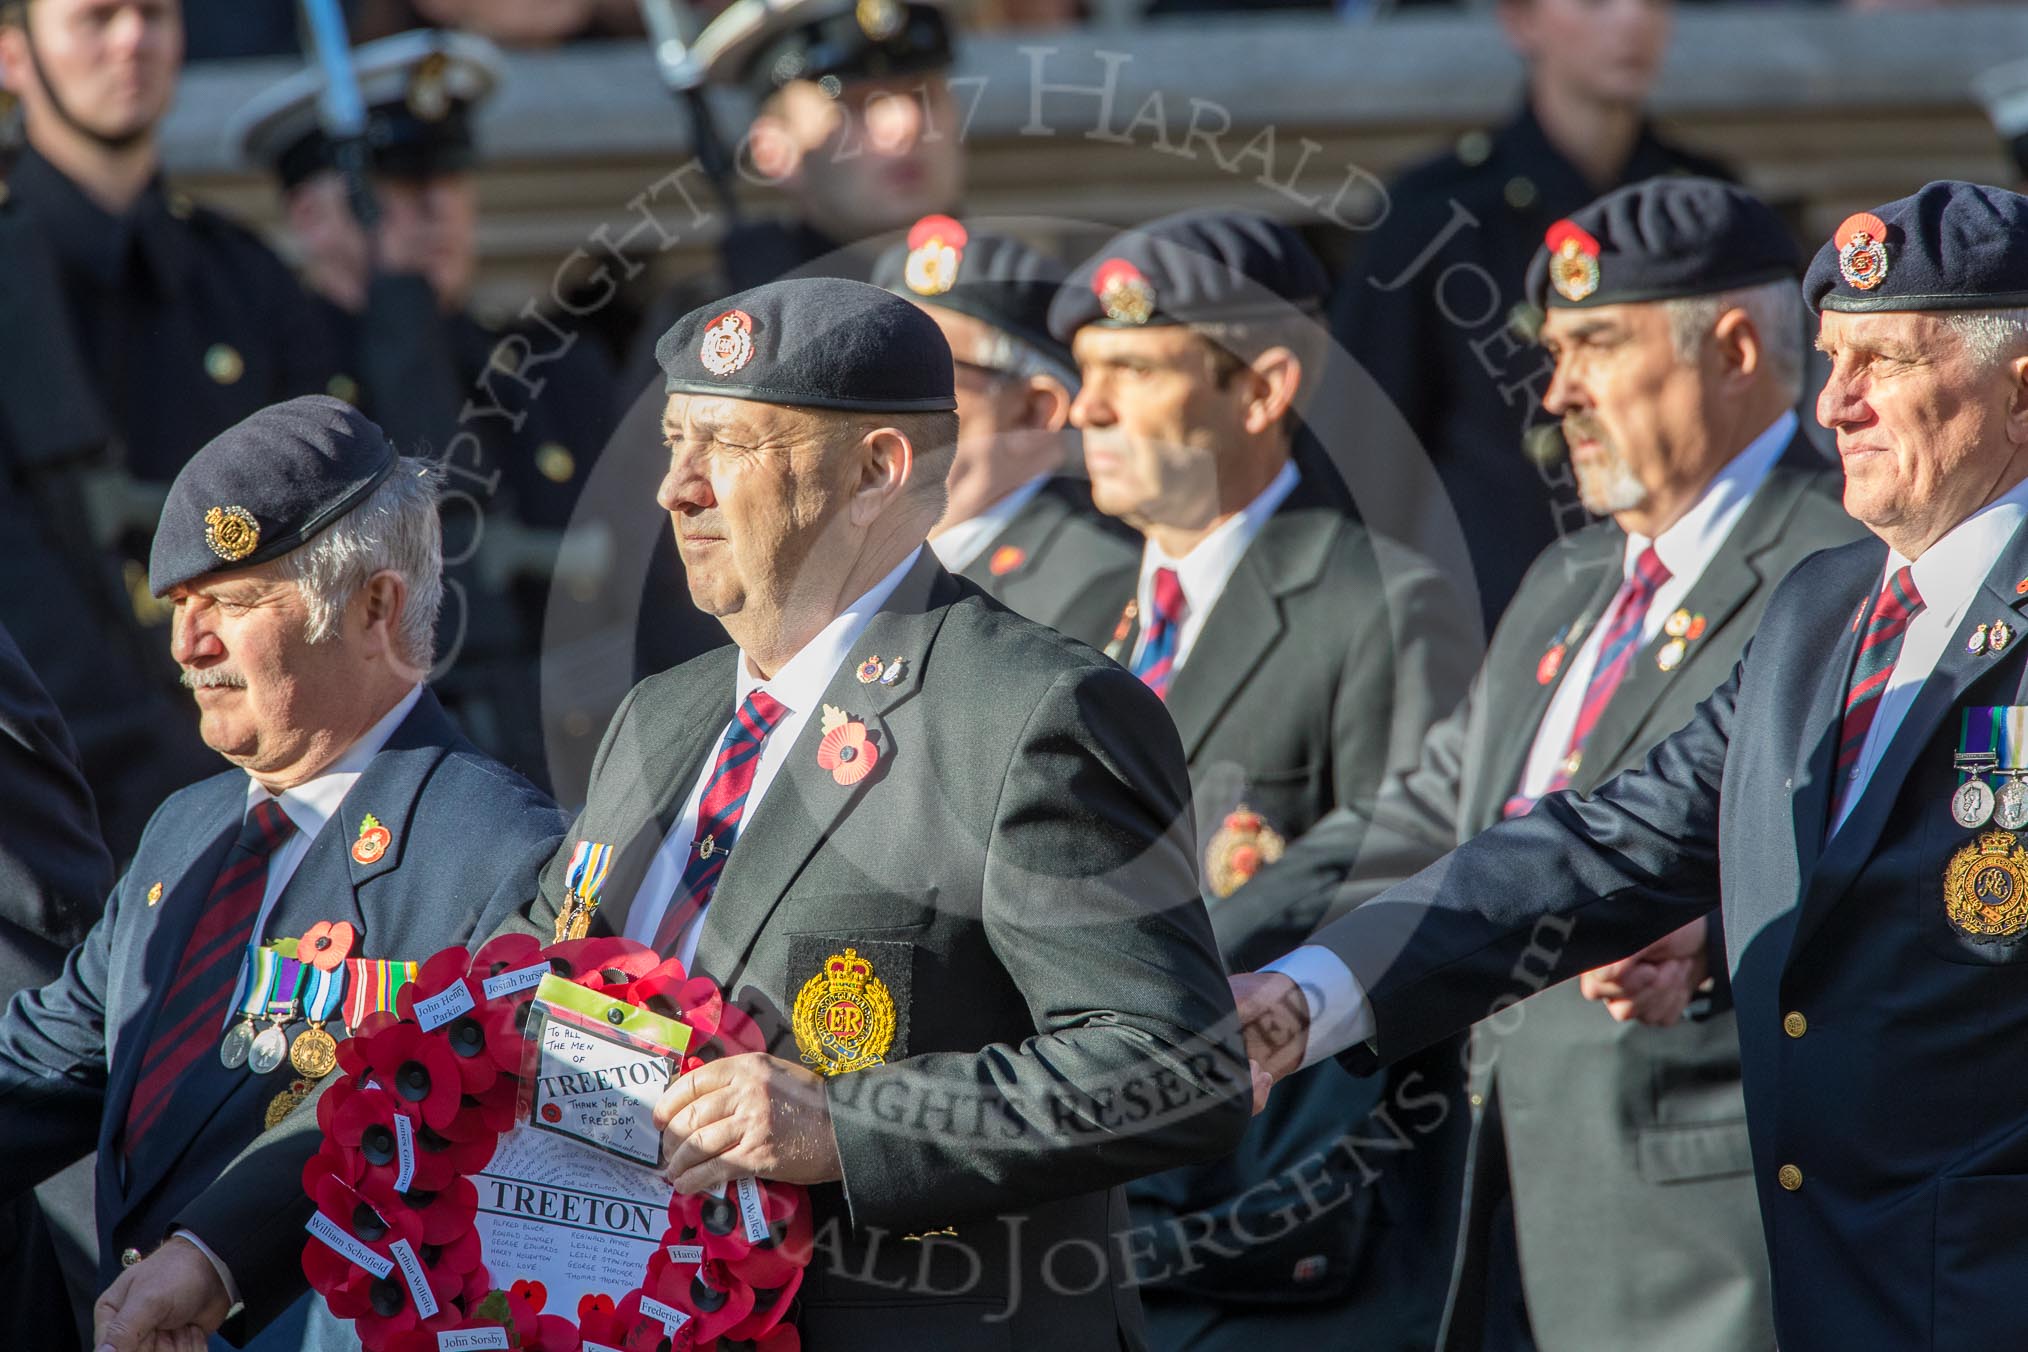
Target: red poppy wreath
(404, 1237)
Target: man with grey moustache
(303, 561)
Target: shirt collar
(315, 801)
(1204, 571)
(802, 680)
(962, 541)
(1950, 571)
(1687, 547)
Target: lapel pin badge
(845, 750)
(1551, 663)
(1975, 643)
(373, 840)
(869, 671)
(1677, 625)
(1671, 655)
(895, 670)
(1999, 636)
(154, 893)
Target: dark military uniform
(1425, 310)
(518, 412)
(126, 342)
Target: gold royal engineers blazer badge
(1986, 888)
(844, 1017)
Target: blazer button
(129, 1257)
(1794, 1024)
(1790, 1177)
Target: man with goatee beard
(1675, 322)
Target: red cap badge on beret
(1573, 260)
(728, 343)
(1124, 294)
(1862, 251)
(936, 246)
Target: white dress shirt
(1686, 549)
(958, 544)
(1205, 570)
(799, 686)
(1947, 577)
(309, 806)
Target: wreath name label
(434, 1096)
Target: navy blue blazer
(1889, 1122)
(469, 839)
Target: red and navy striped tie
(1616, 651)
(1879, 648)
(719, 813)
(194, 1010)
(1156, 661)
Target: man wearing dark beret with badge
(1300, 658)
(1018, 526)
(1675, 318)
(271, 906)
(854, 121)
(1852, 792)
(896, 793)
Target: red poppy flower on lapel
(326, 944)
(419, 1070)
(846, 753)
(1006, 559)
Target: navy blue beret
(1190, 268)
(1951, 246)
(814, 342)
(1661, 239)
(266, 485)
(996, 279)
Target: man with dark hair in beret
(1300, 658)
(524, 404)
(357, 832)
(854, 121)
(134, 326)
(1675, 318)
(894, 781)
(1427, 305)
(1017, 524)
(1853, 792)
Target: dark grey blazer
(1017, 871)
(1061, 562)
(468, 837)
(1619, 1136)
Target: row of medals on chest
(312, 1051)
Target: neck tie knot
(266, 828)
(1649, 573)
(1899, 600)
(1168, 595)
(760, 712)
